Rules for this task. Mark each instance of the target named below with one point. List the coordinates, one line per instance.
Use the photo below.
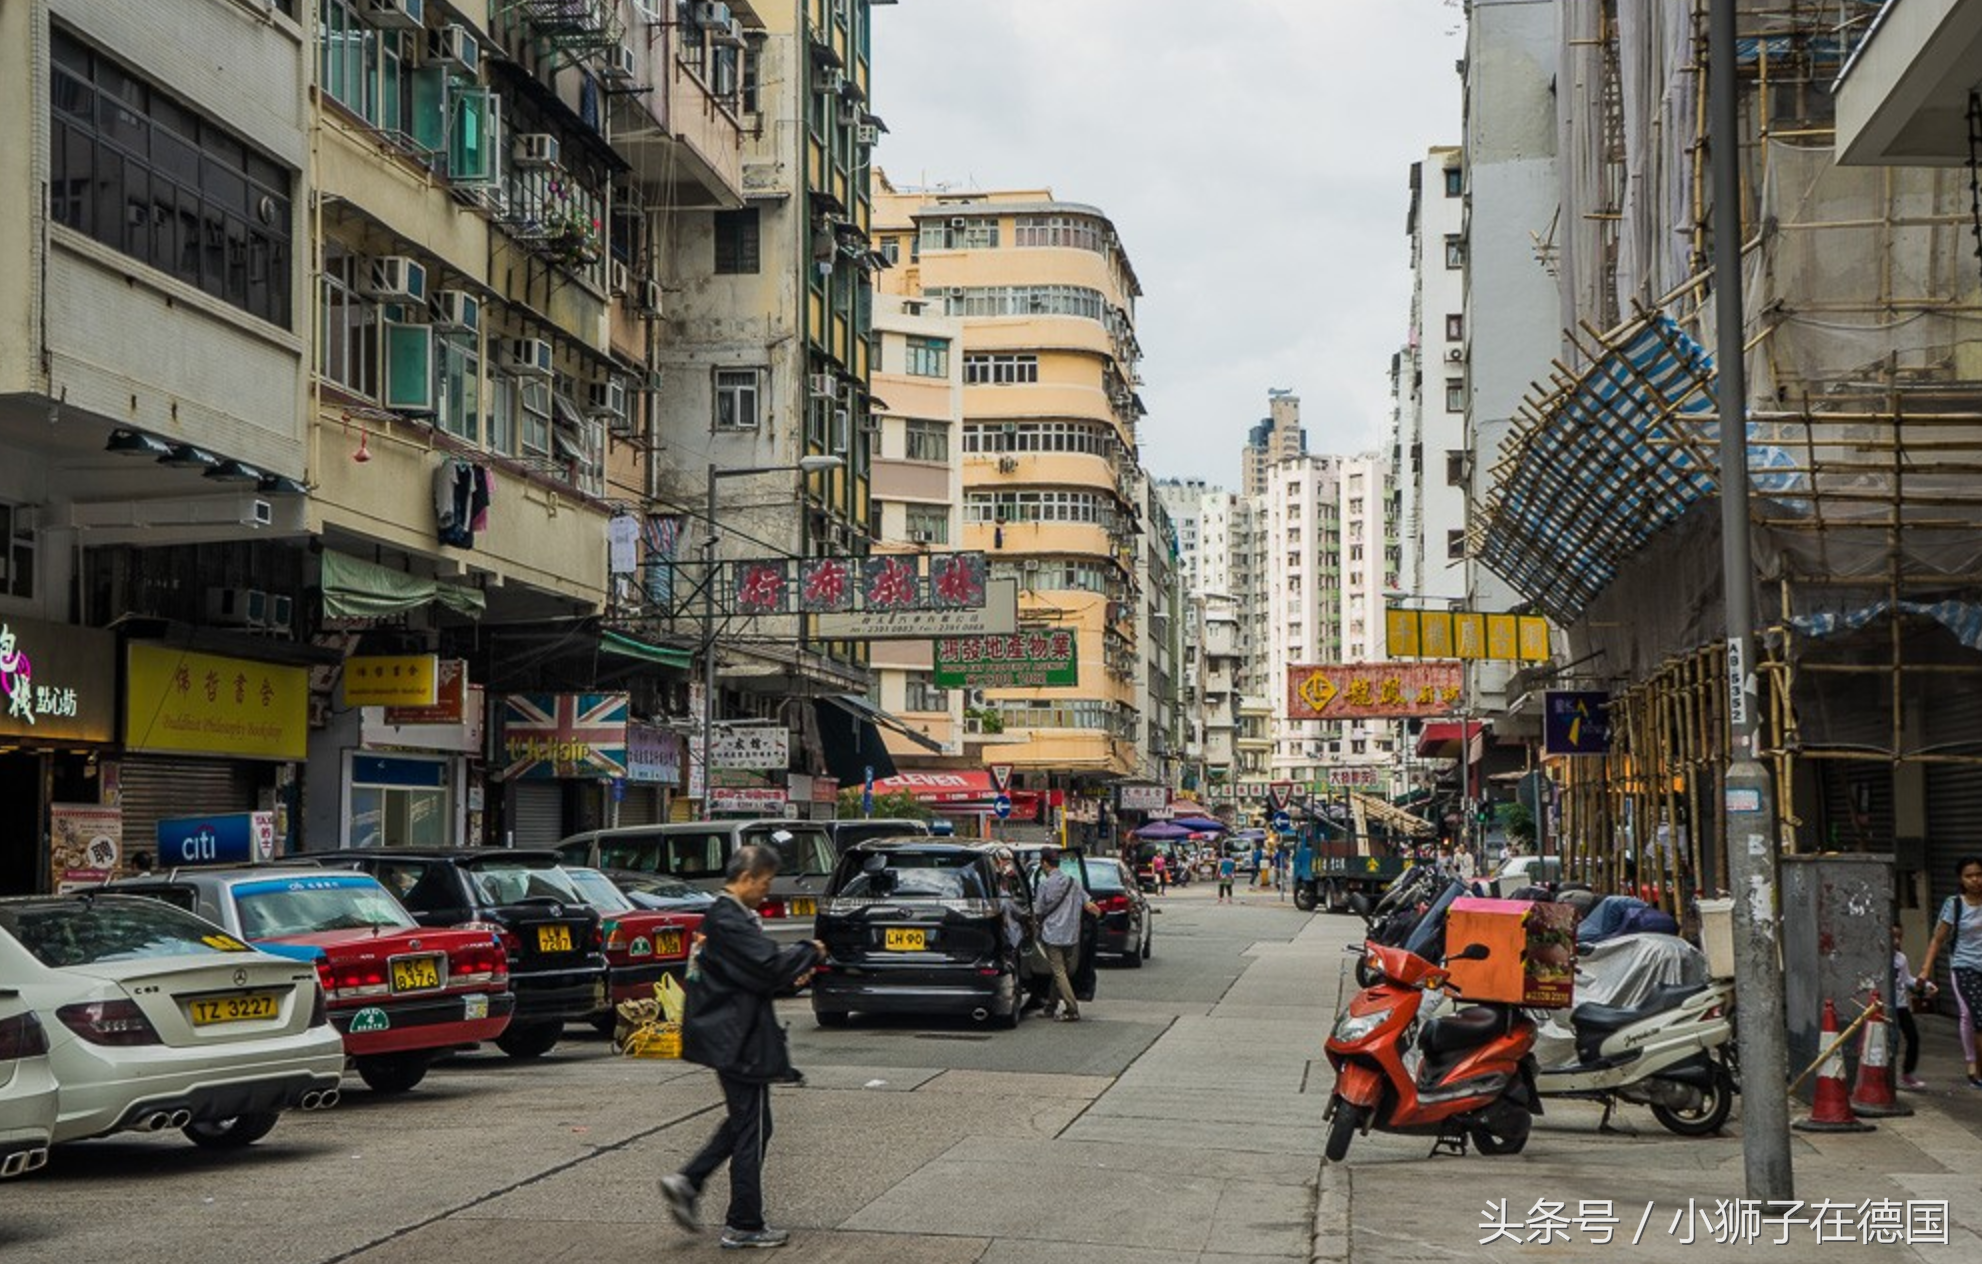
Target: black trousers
(1909, 1042)
(745, 1132)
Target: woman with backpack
(1960, 920)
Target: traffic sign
(1282, 822)
(1001, 777)
(1002, 805)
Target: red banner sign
(1372, 691)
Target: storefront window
(399, 803)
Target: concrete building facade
(1431, 456)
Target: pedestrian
(1904, 986)
(1961, 922)
(1259, 864)
(729, 1025)
(1227, 868)
(1161, 867)
(1058, 904)
(1464, 867)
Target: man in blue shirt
(1226, 868)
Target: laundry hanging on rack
(462, 492)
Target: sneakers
(1072, 1017)
(680, 1195)
(1913, 1082)
(741, 1239)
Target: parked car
(165, 1020)
(642, 946)
(1125, 925)
(696, 851)
(27, 1087)
(556, 947)
(660, 892)
(401, 994)
(847, 833)
(1516, 872)
(920, 926)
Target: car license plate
(668, 943)
(898, 940)
(475, 1008)
(413, 974)
(804, 908)
(235, 1009)
(553, 939)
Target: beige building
(1052, 493)
(1278, 437)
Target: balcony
(1903, 98)
(683, 135)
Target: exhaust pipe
(155, 1121)
(330, 1098)
(980, 1014)
(14, 1164)
(37, 1159)
(180, 1118)
(310, 1100)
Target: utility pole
(1749, 806)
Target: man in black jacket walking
(730, 1026)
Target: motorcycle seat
(1463, 1030)
(1609, 1018)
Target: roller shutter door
(641, 806)
(154, 788)
(536, 813)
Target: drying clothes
(461, 502)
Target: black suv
(557, 963)
(920, 926)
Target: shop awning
(1436, 737)
(628, 647)
(859, 707)
(851, 743)
(355, 589)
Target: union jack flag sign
(553, 735)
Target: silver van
(696, 851)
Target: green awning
(354, 589)
(626, 646)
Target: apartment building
(1052, 489)
(1303, 537)
(1277, 437)
(1431, 455)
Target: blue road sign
(1282, 822)
(1002, 805)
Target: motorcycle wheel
(1511, 1138)
(1348, 1122)
(1304, 899)
(1705, 1119)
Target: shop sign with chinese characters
(1372, 691)
(57, 682)
(450, 698)
(758, 746)
(1042, 658)
(86, 844)
(653, 755)
(181, 702)
(1466, 635)
(839, 585)
(395, 680)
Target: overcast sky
(1253, 154)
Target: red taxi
(641, 945)
(400, 993)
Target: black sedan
(1125, 928)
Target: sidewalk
(1670, 1195)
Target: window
(1455, 545)
(1060, 230)
(1089, 438)
(1027, 300)
(1455, 395)
(348, 344)
(960, 233)
(737, 242)
(500, 424)
(533, 416)
(929, 524)
(923, 695)
(457, 408)
(1455, 182)
(891, 250)
(928, 441)
(736, 398)
(929, 357)
(17, 546)
(1456, 461)
(1044, 505)
(1455, 250)
(135, 170)
(1455, 327)
(983, 369)
(399, 802)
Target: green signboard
(1038, 658)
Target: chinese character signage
(450, 704)
(181, 702)
(762, 587)
(86, 844)
(892, 583)
(1142, 798)
(1372, 691)
(1465, 634)
(1575, 722)
(57, 681)
(755, 801)
(653, 755)
(398, 680)
(825, 585)
(956, 581)
(563, 735)
(761, 747)
(1040, 658)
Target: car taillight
(499, 934)
(481, 965)
(353, 979)
(109, 1023)
(595, 939)
(319, 1005)
(22, 1037)
(614, 940)
(771, 909)
(1113, 903)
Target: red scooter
(1470, 1075)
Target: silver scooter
(1674, 1053)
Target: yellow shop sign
(190, 703)
(395, 680)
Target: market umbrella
(1199, 823)
(1161, 832)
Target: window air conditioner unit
(622, 65)
(709, 13)
(530, 356)
(397, 15)
(619, 275)
(536, 149)
(453, 45)
(729, 36)
(832, 82)
(958, 291)
(1456, 354)
(1008, 465)
(870, 424)
(396, 277)
(607, 399)
(457, 310)
(867, 134)
(1032, 566)
(959, 222)
(237, 607)
(922, 537)
(651, 382)
(650, 298)
(823, 385)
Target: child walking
(1904, 985)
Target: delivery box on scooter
(1530, 951)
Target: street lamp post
(805, 465)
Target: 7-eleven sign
(1001, 778)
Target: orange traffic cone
(1872, 1095)
(1830, 1108)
